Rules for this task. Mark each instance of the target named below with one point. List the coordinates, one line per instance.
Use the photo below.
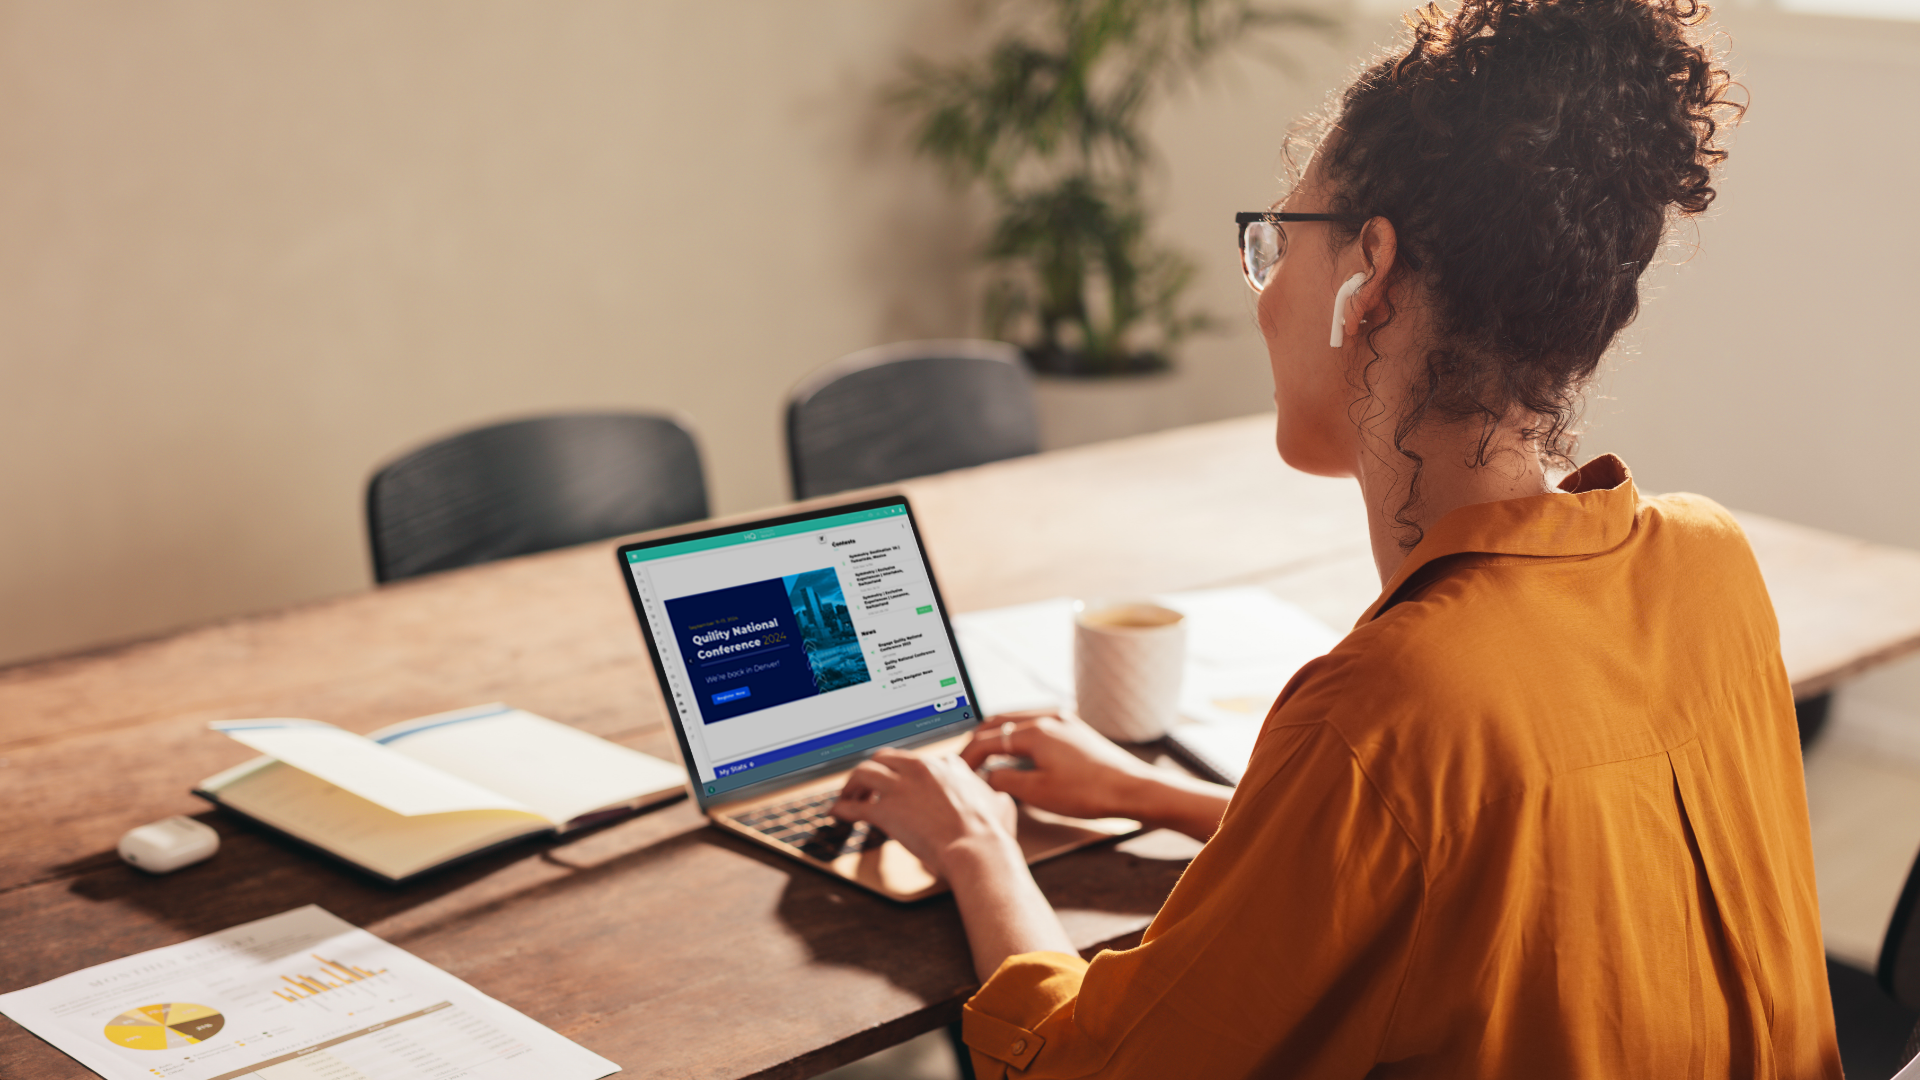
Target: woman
(1541, 813)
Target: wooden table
(660, 943)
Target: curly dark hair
(1530, 155)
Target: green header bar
(688, 547)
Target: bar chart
(334, 975)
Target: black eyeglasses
(1263, 243)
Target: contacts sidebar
(901, 631)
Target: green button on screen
(923, 609)
(948, 681)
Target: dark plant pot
(1045, 360)
(1076, 409)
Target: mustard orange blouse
(1541, 814)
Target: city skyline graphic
(826, 630)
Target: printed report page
(799, 643)
(302, 995)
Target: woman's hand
(1075, 772)
(932, 805)
(962, 830)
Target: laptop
(789, 650)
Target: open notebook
(421, 794)
(1243, 644)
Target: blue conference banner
(751, 647)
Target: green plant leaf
(1049, 120)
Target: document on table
(1243, 644)
(302, 995)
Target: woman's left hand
(962, 830)
(931, 805)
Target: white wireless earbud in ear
(1340, 300)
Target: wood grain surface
(659, 942)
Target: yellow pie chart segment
(166, 1026)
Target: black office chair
(1899, 967)
(531, 485)
(1898, 970)
(909, 409)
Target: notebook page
(363, 832)
(558, 770)
(364, 767)
(1221, 751)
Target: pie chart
(164, 1026)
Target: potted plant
(1049, 121)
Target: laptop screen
(796, 644)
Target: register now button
(734, 694)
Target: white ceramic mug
(1128, 658)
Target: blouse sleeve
(1283, 947)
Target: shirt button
(1019, 1047)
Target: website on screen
(797, 644)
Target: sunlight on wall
(253, 251)
(1859, 9)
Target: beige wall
(1777, 370)
(255, 249)
(252, 250)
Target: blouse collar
(1593, 512)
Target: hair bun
(1611, 88)
(1530, 153)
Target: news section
(788, 647)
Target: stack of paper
(1243, 644)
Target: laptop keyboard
(805, 824)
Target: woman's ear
(1380, 249)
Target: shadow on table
(573, 895)
(259, 872)
(1106, 895)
